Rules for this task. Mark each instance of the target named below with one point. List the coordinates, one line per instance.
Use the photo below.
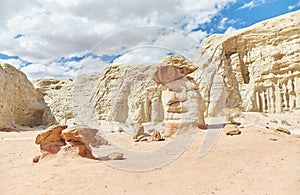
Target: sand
(258, 161)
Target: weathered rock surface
(59, 97)
(20, 104)
(127, 94)
(156, 136)
(51, 134)
(231, 129)
(115, 156)
(181, 99)
(83, 134)
(255, 68)
(283, 130)
(80, 139)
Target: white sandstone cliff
(20, 104)
(256, 68)
(59, 97)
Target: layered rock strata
(256, 68)
(181, 98)
(58, 138)
(59, 97)
(20, 103)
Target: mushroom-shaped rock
(51, 134)
(83, 134)
(50, 140)
(181, 99)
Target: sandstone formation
(127, 94)
(51, 134)
(181, 98)
(59, 97)
(115, 156)
(20, 104)
(58, 138)
(156, 136)
(83, 134)
(231, 129)
(256, 68)
(252, 69)
(283, 130)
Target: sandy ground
(258, 161)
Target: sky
(62, 38)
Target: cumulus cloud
(52, 29)
(16, 62)
(229, 29)
(254, 3)
(290, 7)
(248, 5)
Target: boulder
(20, 103)
(59, 138)
(51, 134)
(231, 129)
(116, 156)
(83, 134)
(156, 136)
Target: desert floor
(258, 161)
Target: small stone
(156, 136)
(231, 129)
(36, 158)
(234, 132)
(283, 130)
(116, 156)
(138, 131)
(273, 121)
(284, 122)
(145, 139)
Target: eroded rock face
(59, 97)
(181, 98)
(58, 138)
(51, 134)
(256, 68)
(127, 94)
(20, 104)
(83, 134)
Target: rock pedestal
(181, 99)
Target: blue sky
(52, 38)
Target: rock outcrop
(251, 69)
(58, 138)
(256, 68)
(59, 97)
(20, 104)
(127, 94)
(181, 98)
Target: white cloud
(16, 62)
(198, 35)
(294, 6)
(222, 23)
(291, 7)
(229, 29)
(249, 5)
(53, 29)
(52, 70)
(141, 55)
(254, 3)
